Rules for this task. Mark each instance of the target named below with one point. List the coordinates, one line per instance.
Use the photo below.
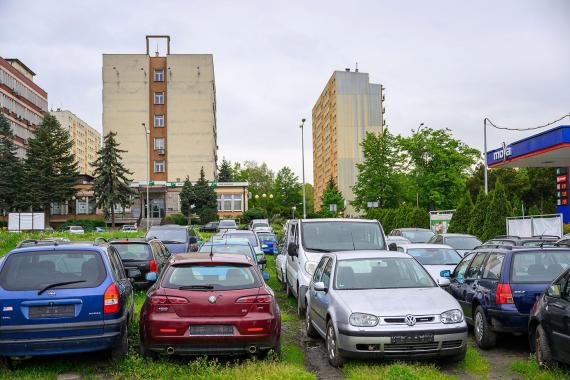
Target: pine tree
(497, 212)
(462, 215)
(10, 169)
(187, 198)
(111, 184)
(225, 172)
(50, 169)
(205, 199)
(331, 195)
(477, 220)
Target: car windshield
(211, 277)
(178, 235)
(341, 236)
(381, 273)
(435, 256)
(227, 224)
(133, 251)
(242, 235)
(417, 236)
(257, 225)
(239, 249)
(267, 237)
(539, 266)
(37, 269)
(462, 242)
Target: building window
(159, 121)
(219, 202)
(158, 143)
(230, 202)
(159, 75)
(237, 202)
(159, 98)
(227, 206)
(159, 166)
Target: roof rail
(506, 237)
(48, 241)
(546, 236)
(98, 239)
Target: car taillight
(111, 303)
(162, 303)
(152, 266)
(503, 294)
(262, 298)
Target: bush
(497, 212)
(403, 216)
(87, 224)
(253, 213)
(460, 220)
(179, 219)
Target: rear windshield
(227, 223)
(462, 242)
(210, 277)
(248, 236)
(435, 256)
(36, 270)
(133, 251)
(258, 225)
(417, 236)
(267, 237)
(539, 266)
(227, 248)
(174, 236)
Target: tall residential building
(21, 100)
(348, 108)
(86, 140)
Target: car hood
(398, 302)
(434, 270)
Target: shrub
(497, 212)
(254, 213)
(460, 220)
(179, 219)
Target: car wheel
(484, 336)
(121, 350)
(543, 353)
(283, 282)
(335, 358)
(147, 354)
(6, 363)
(300, 308)
(309, 328)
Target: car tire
(484, 336)
(147, 354)
(331, 344)
(121, 350)
(283, 282)
(309, 328)
(6, 363)
(543, 353)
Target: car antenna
(352, 238)
(211, 247)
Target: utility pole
(303, 161)
(147, 135)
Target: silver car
(435, 258)
(374, 304)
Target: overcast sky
(447, 64)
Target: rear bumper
(508, 321)
(217, 346)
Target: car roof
(447, 234)
(240, 232)
(227, 242)
(337, 220)
(424, 245)
(520, 249)
(196, 258)
(131, 240)
(413, 229)
(169, 227)
(74, 246)
(368, 254)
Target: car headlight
(451, 316)
(363, 320)
(310, 267)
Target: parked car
(309, 239)
(511, 241)
(462, 243)
(392, 241)
(210, 304)
(281, 266)
(76, 230)
(210, 227)
(433, 257)
(61, 299)
(141, 256)
(244, 234)
(498, 287)
(414, 235)
(227, 225)
(176, 238)
(100, 229)
(549, 330)
(236, 246)
(129, 228)
(259, 223)
(268, 242)
(410, 317)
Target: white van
(308, 239)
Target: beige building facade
(348, 108)
(86, 140)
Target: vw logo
(212, 299)
(410, 320)
(51, 293)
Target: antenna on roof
(356, 69)
(211, 247)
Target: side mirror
(392, 247)
(320, 287)
(151, 277)
(553, 291)
(443, 282)
(293, 250)
(265, 276)
(445, 273)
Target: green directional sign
(172, 184)
(151, 183)
(214, 184)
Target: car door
(292, 261)
(557, 318)
(313, 299)
(490, 276)
(458, 278)
(322, 299)
(470, 288)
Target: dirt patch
(316, 359)
(509, 348)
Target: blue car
(63, 298)
(178, 239)
(497, 288)
(268, 242)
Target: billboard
(26, 221)
(439, 220)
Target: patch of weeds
(475, 364)
(529, 369)
(393, 371)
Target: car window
(133, 251)
(492, 269)
(169, 236)
(565, 287)
(435, 256)
(218, 277)
(116, 263)
(539, 266)
(36, 269)
(319, 270)
(417, 236)
(475, 267)
(462, 267)
(326, 277)
(240, 249)
(463, 242)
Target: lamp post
(417, 184)
(485, 153)
(293, 212)
(147, 135)
(303, 163)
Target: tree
(205, 199)
(287, 190)
(331, 195)
(187, 198)
(462, 215)
(225, 173)
(50, 169)
(10, 168)
(377, 178)
(259, 177)
(111, 183)
(497, 212)
(477, 220)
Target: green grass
(475, 364)
(529, 369)
(393, 371)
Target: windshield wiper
(190, 287)
(59, 284)
(319, 249)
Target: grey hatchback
(374, 304)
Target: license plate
(412, 338)
(133, 273)
(209, 330)
(52, 311)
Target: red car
(210, 304)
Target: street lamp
(293, 212)
(147, 135)
(303, 162)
